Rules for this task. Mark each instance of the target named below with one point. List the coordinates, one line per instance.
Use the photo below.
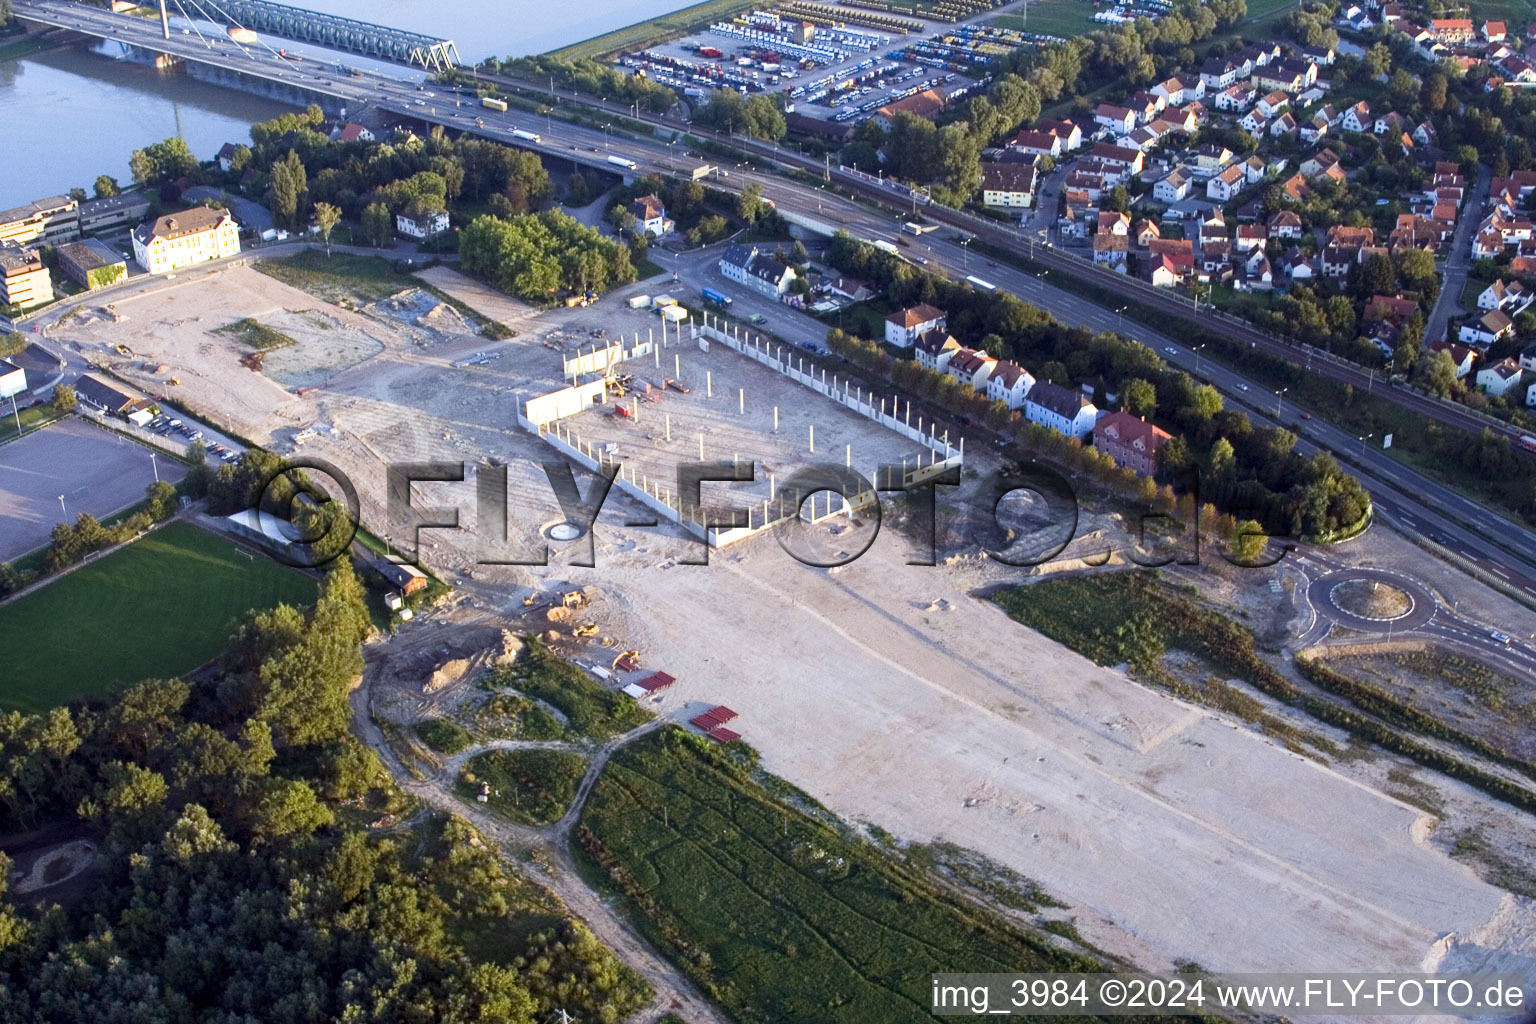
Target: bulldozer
(626, 661)
(528, 601)
(588, 629)
(572, 599)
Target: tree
(106, 186)
(289, 182)
(749, 204)
(142, 166)
(1377, 59)
(1432, 94)
(1139, 397)
(326, 219)
(378, 224)
(64, 399)
(1437, 374)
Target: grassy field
(530, 786)
(444, 735)
(1064, 18)
(777, 915)
(159, 607)
(255, 334)
(649, 33)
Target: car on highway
(1170, 350)
(1306, 415)
(1242, 387)
(1498, 638)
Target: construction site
(890, 692)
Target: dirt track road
(675, 993)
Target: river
(74, 113)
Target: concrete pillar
(775, 419)
(772, 487)
(701, 446)
(813, 442)
(741, 394)
(848, 456)
(677, 366)
(669, 426)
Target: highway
(1464, 527)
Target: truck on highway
(914, 228)
(986, 286)
(640, 302)
(1528, 442)
(718, 298)
(521, 133)
(619, 161)
(885, 246)
(493, 103)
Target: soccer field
(157, 608)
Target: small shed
(405, 578)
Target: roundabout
(1371, 600)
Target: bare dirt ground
(887, 690)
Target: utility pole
(165, 23)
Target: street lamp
(1196, 349)
(62, 509)
(1120, 313)
(965, 253)
(1278, 395)
(1364, 439)
(605, 135)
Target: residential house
(1113, 222)
(1167, 272)
(1285, 224)
(1008, 185)
(971, 368)
(185, 239)
(1391, 123)
(1236, 97)
(1119, 156)
(1118, 119)
(1498, 379)
(1212, 157)
(1512, 297)
(1390, 307)
(1130, 441)
(760, 271)
(1323, 56)
(1282, 125)
(1357, 118)
(226, 157)
(1062, 410)
(1494, 31)
(1323, 164)
(1144, 232)
(1037, 143)
(650, 215)
(1173, 188)
(1221, 72)
(933, 349)
(1255, 169)
(1111, 249)
(1250, 237)
(352, 132)
(1287, 76)
(1253, 122)
(1255, 274)
(1009, 383)
(1068, 132)
(24, 280)
(1528, 357)
(903, 327)
(420, 221)
(1297, 266)
(1227, 184)
(1486, 329)
(1424, 134)
(1337, 259)
(1462, 357)
(96, 392)
(1451, 31)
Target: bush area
(511, 716)
(1131, 617)
(255, 334)
(592, 711)
(444, 735)
(777, 916)
(530, 786)
(535, 256)
(247, 792)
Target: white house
(185, 239)
(934, 348)
(759, 271)
(1512, 297)
(1358, 118)
(415, 222)
(903, 327)
(971, 367)
(1486, 329)
(650, 215)
(1009, 383)
(1500, 378)
(1064, 411)
(13, 379)
(1227, 184)
(1173, 188)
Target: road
(1453, 278)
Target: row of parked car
(168, 425)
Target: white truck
(619, 161)
(520, 133)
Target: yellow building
(24, 281)
(185, 239)
(51, 220)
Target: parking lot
(94, 471)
